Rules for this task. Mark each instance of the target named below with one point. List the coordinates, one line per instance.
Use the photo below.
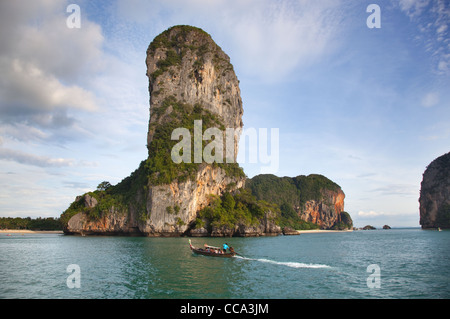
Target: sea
(364, 264)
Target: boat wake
(284, 263)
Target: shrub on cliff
(345, 222)
(233, 209)
(160, 167)
(291, 194)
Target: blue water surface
(396, 263)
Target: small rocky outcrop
(288, 231)
(435, 194)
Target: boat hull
(205, 252)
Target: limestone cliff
(175, 191)
(325, 212)
(131, 208)
(190, 79)
(435, 194)
(185, 64)
(305, 201)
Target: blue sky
(368, 108)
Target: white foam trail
(288, 263)
(293, 264)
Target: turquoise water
(412, 263)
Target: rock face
(435, 194)
(186, 64)
(173, 207)
(190, 79)
(163, 210)
(314, 199)
(325, 212)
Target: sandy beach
(27, 231)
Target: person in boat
(225, 247)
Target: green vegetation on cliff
(185, 53)
(293, 191)
(164, 40)
(345, 223)
(289, 218)
(176, 44)
(232, 209)
(291, 194)
(129, 192)
(160, 167)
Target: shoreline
(312, 231)
(27, 231)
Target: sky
(369, 108)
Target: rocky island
(306, 202)
(435, 194)
(193, 86)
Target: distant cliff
(305, 202)
(435, 194)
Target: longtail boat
(212, 251)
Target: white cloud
(30, 159)
(430, 99)
(274, 39)
(375, 214)
(432, 19)
(444, 64)
(24, 86)
(31, 191)
(44, 64)
(40, 36)
(266, 39)
(397, 190)
(413, 7)
(370, 214)
(442, 28)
